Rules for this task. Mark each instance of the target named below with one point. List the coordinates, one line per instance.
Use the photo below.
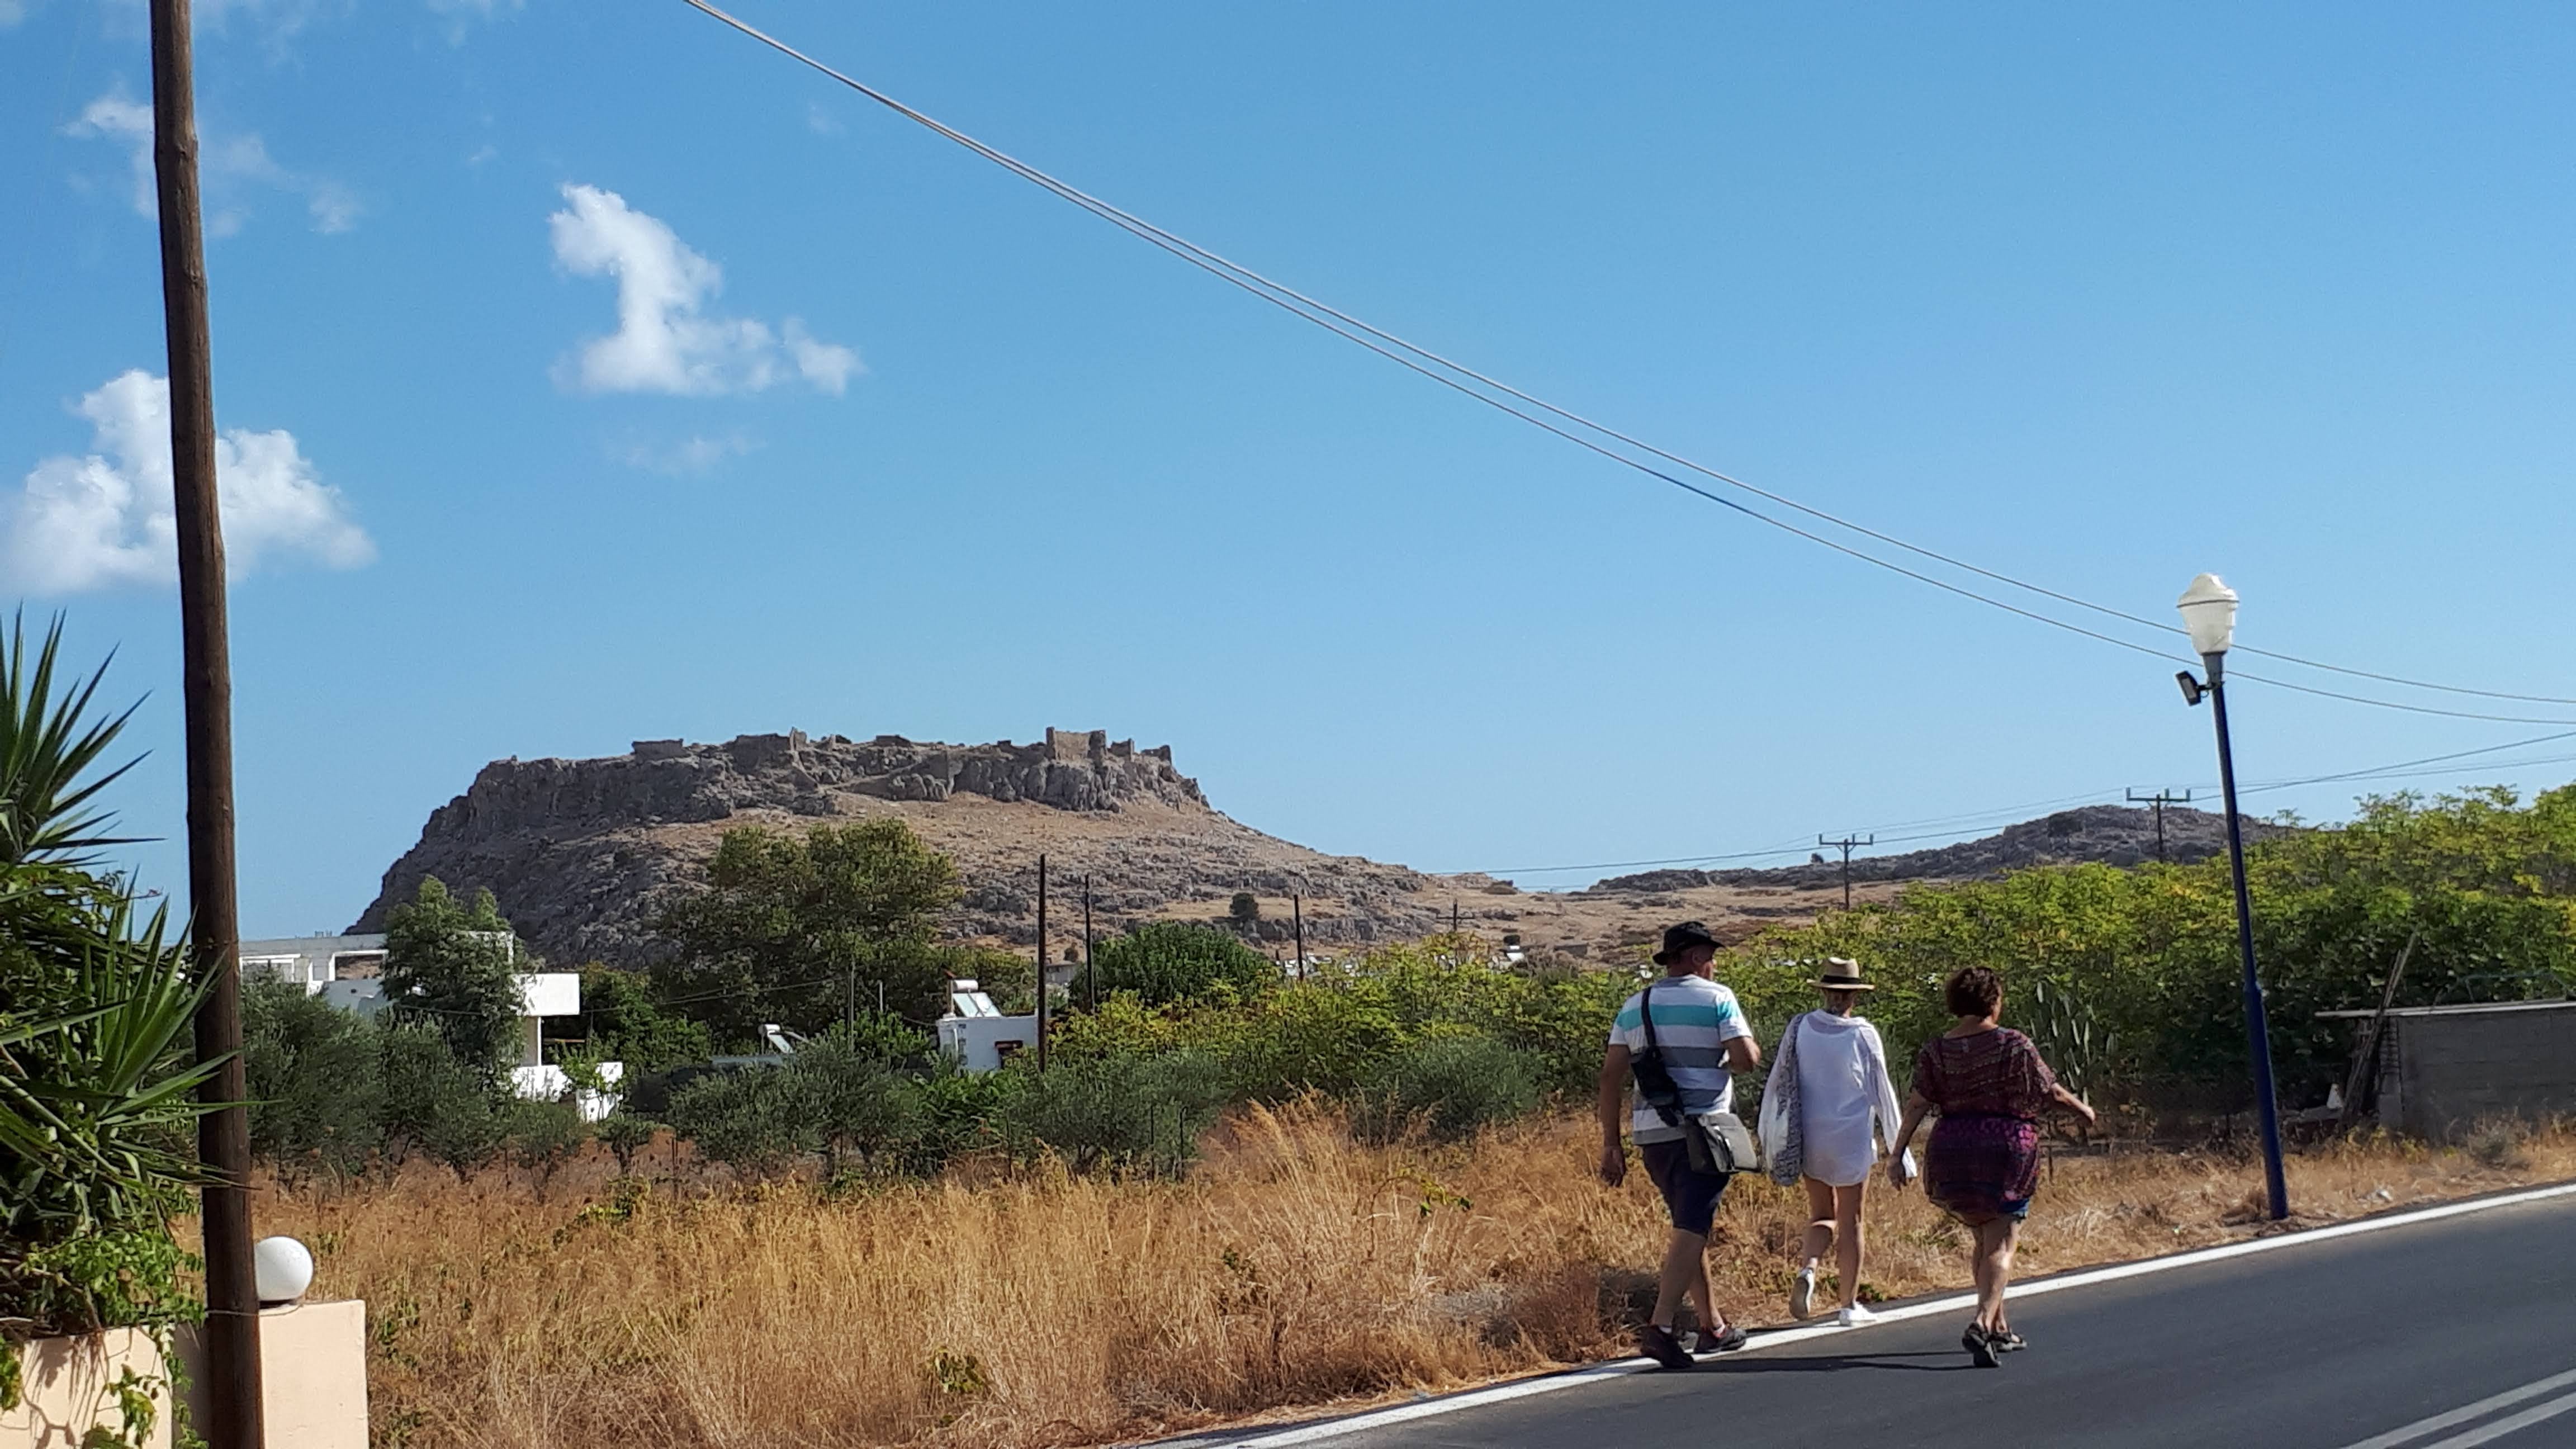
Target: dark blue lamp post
(2209, 613)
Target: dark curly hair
(1974, 991)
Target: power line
(1361, 333)
(2391, 770)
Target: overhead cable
(1404, 352)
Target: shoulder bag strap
(1669, 1112)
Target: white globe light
(2209, 612)
(283, 1268)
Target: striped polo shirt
(1694, 1020)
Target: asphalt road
(2350, 1343)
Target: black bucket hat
(1678, 939)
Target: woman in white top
(1825, 1110)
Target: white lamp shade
(283, 1268)
(2209, 612)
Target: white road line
(2463, 1414)
(2514, 1425)
(1578, 1378)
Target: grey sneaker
(1724, 1340)
(1659, 1344)
(1802, 1296)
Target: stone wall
(2444, 1071)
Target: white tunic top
(1846, 1104)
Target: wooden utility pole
(1042, 964)
(1091, 978)
(2160, 800)
(223, 1137)
(1297, 906)
(1845, 845)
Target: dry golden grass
(1294, 1268)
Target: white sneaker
(1802, 1296)
(1855, 1316)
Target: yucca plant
(97, 1077)
(50, 747)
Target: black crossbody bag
(1716, 1141)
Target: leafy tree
(1006, 976)
(626, 1024)
(1166, 961)
(803, 931)
(454, 969)
(1244, 911)
(315, 1079)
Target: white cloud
(225, 166)
(820, 121)
(116, 117)
(665, 339)
(697, 456)
(105, 519)
(11, 12)
(827, 365)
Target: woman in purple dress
(1990, 1087)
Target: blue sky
(2097, 298)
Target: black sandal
(1980, 1348)
(2007, 1341)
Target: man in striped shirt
(1702, 1039)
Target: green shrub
(625, 1135)
(435, 1105)
(542, 1135)
(745, 1118)
(1451, 1086)
(849, 1092)
(1146, 1112)
(1171, 961)
(1324, 1036)
(315, 1077)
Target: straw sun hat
(1842, 973)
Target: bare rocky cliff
(584, 854)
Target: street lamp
(2209, 613)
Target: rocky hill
(584, 854)
(2109, 834)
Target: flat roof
(2468, 1008)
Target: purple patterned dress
(1983, 1160)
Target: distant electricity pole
(2160, 800)
(1845, 846)
(1297, 907)
(1089, 976)
(1042, 963)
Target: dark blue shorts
(1690, 1195)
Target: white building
(347, 972)
(976, 1035)
(315, 961)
